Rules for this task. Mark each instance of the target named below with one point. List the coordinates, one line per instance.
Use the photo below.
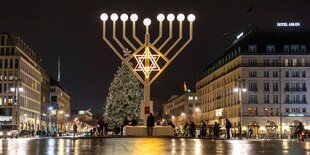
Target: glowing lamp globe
(134, 17)
(114, 17)
(147, 22)
(124, 17)
(180, 17)
(104, 17)
(191, 17)
(160, 17)
(170, 17)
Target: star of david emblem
(147, 69)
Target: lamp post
(240, 89)
(17, 89)
(146, 55)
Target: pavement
(150, 146)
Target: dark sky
(72, 30)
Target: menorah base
(146, 108)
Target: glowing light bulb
(147, 21)
(134, 17)
(114, 17)
(191, 17)
(170, 17)
(160, 17)
(104, 17)
(124, 17)
(180, 17)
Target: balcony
(287, 89)
(295, 102)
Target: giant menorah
(147, 54)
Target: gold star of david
(147, 62)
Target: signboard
(296, 115)
(146, 110)
(288, 24)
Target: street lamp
(17, 90)
(240, 89)
(147, 54)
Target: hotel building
(261, 80)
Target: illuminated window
(190, 98)
(252, 48)
(196, 98)
(286, 62)
(1, 101)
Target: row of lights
(147, 21)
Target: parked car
(8, 130)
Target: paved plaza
(150, 146)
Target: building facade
(60, 105)
(45, 100)
(20, 84)
(182, 105)
(261, 81)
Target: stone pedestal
(142, 131)
(146, 108)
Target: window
(252, 74)
(303, 99)
(275, 86)
(265, 111)
(190, 104)
(295, 98)
(294, 73)
(11, 63)
(277, 111)
(53, 98)
(275, 62)
(294, 62)
(287, 74)
(295, 48)
(266, 62)
(295, 110)
(275, 73)
(270, 49)
(303, 73)
(304, 110)
(1, 63)
(190, 98)
(252, 62)
(252, 48)
(266, 86)
(287, 110)
(252, 98)
(303, 62)
(266, 73)
(286, 48)
(266, 98)
(252, 86)
(286, 62)
(275, 98)
(303, 48)
(16, 63)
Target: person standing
(300, 131)
(150, 124)
(251, 130)
(228, 127)
(203, 129)
(74, 130)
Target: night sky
(72, 30)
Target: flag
(250, 9)
(185, 87)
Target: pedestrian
(186, 130)
(216, 130)
(171, 124)
(150, 124)
(94, 131)
(134, 122)
(203, 128)
(228, 127)
(300, 131)
(158, 123)
(101, 124)
(125, 122)
(192, 129)
(106, 127)
(91, 132)
(74, 130)
(251, 130)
